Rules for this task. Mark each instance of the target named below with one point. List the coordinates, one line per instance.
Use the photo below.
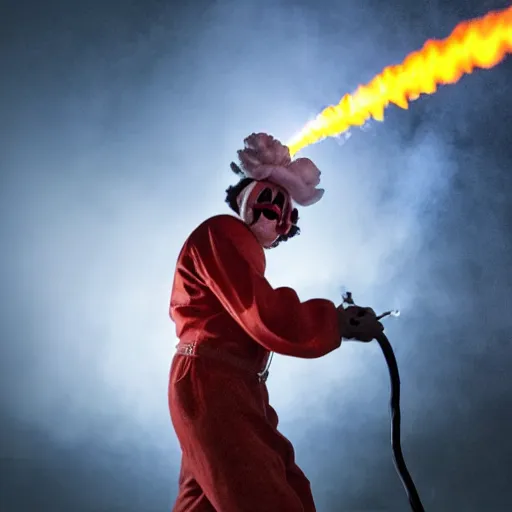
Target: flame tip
(479, 43)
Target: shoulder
(221, 226)
(222, 221)
(228, 236)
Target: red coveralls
(233, 457)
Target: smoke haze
(119, 121)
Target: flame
(479, 43)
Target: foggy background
(118, 122)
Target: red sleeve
(275, 318)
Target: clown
(229, 320)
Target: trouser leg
(191, 498)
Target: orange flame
(478, 43)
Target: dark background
(118, 121)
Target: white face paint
(266, 208)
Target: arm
(275, 318)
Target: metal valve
(349, 301)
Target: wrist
(343, 325)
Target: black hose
(398, 457)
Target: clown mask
(267, 209)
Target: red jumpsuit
(233, 457)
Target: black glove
(357, 323)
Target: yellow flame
(478, 43)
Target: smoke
(120, 138)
